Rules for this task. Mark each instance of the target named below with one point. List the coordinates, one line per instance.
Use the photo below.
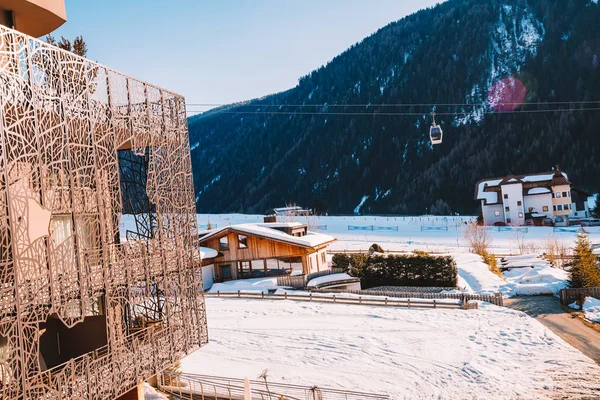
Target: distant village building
(262, 250)
(513, 199)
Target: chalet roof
(559, 179)
(488, 189)
(268, 231)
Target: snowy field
(414, 233)
(491, 353)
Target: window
(559, 207)
(496, 213)
(242, 242)
(564, 194)
(223, 244)
(508, 220)
(507, 209)
(244, 270)
(506, 196)
(545, 208)
(323, 258)
(554, 208)
(558, 195)
(530, 209)
(520, 215)
(567, 206)
(519, 203)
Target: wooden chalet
(265, 249)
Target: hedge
(399, 270)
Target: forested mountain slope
(369, 158)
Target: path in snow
(548, 311)
(491, 353)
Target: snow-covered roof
(266, 230)
(282, 224)
(538, 215)
(489, 197)
(329, 279)
(538, 190)
(207, 252)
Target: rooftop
(269, 231)
(488, 189)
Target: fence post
(239, 294)
(262, 295)
(334, 298)
(285, 295)
(409, 302)
(359, 299)
(434, 304)
(310, 296)
(218, 293)
(386, 301)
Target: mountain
(350, 153)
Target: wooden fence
(369, 300)
(568, 296)
(495, 298)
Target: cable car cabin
(436, 134)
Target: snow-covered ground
(591, 309)
(414, 233)
(491, 353)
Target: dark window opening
(242, 242)
(133, 174)
(58, 343)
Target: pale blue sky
(222, 51)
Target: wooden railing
(360, 300)
(192, 386)
(568, 296)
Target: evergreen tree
(596, 209)
(78, 47)
(585, 271)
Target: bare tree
(556, 252)
(524, 246)
(478, 238)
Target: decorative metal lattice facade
(80, 144)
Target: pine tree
(596, 210)
(585, 271)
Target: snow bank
(491, 353)
(475, 276)
(328, 278)
(258, 285)
(151, 394)
(591, 309)
(535, 281)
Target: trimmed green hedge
(399, 270)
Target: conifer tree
(585, 271)
(596, 210)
